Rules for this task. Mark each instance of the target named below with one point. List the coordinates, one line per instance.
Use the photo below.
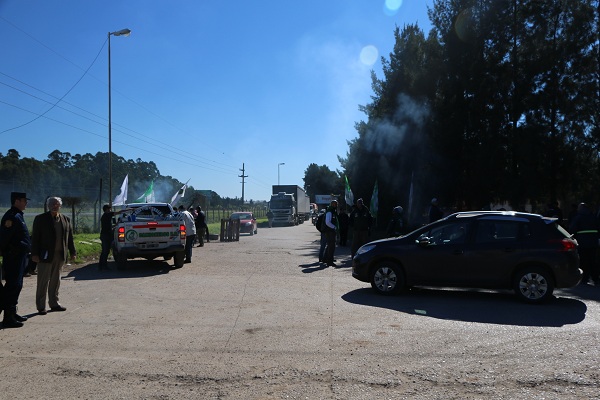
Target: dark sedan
(528, 253)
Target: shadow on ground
(137, 268)
(475, 306)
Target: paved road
(259, 319)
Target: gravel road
(260, 319)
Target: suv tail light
(182, 233)
(565, 244)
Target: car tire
(251, 232)
(387, 278)
(533, 285)
(178, 259)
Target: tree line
(497, 104)
(83, 179)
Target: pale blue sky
(199, 87)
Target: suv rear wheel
(533, 284)
(387, 278)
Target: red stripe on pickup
(152, 226)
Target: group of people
(49, 245)
(334, 224)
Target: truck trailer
(289, 204)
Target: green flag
(148, 196)
(348, 195)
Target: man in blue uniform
(15, 244)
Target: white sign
(324, 198)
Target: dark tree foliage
(498, 103)
(320, 180)
(82, 177)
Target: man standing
(201, 226)
(585, 228)
(15, 243)
(360, 221)
(435, 212)
(330, 229)
(106, 235)
(190, 233)
(52, 239)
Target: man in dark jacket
(15, 244)
(585, 228)
(360, 221)
(52, 239)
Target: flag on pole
(180, 193)
(375, 201)
(121, 198)
(349, 196)
(148, 196)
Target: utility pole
(243, 177)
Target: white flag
(180, 193)
(121, 198)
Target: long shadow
(135, 269)
(501, 308)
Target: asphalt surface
(261, 319)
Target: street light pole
(278, 165)
(122, 32)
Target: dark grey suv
(528, 253)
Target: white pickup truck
(149, 230)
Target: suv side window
(453, 233)
(495, 231)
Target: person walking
(15, 244)
(331, 227)
(585, 228)
(360, 221)
(51, 242)
(190, 232)
(201, 226)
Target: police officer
(15, 244)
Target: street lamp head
(122, 32)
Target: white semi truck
(289, 204)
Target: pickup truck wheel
(121, 260)
(179, 259)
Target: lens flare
(391, 7)
(368, 55)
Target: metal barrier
(230, 230)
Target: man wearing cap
(15, 244)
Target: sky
(203, 88)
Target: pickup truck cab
(149, 230)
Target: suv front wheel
(387, 278)
(534, 285)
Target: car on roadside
(527, 253)
(248, 222)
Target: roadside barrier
(230, 230)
